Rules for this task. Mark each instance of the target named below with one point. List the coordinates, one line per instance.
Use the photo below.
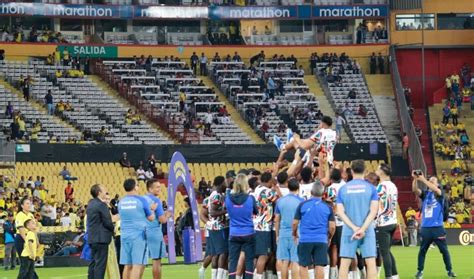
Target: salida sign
(91, 51)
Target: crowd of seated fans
(16, 34)
(457, 188)
(144, 171)
(49, 209)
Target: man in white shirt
(65, 220)
(48, 213)
(203, 64)
(387, 219)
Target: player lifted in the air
(324, 140)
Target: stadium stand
(91, 110)
(48, 129)
(451, 126)
(170, 88)
(271, 95)
(344, 84)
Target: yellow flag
(112, 270)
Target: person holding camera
(432, 229)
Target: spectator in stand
(124, 161)
(405, 145)
(454, 114)
(9, 111)
(69, 192)
(446, 113)
(151, 164)
(66, 174)
(203, 64)
(194, 62)
(26, 88)
(373, 64)
(352, 94)
(340, 122)
(448, 84)
(381, 63)
(48, 99)
(202, 188)
(141, 174)
(362, 111)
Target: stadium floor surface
(462, 257)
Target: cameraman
(432, 229)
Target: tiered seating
(292, 98)
(92, 109)
(162, 82)
(112, 111)
(364, 129)
(51, 127)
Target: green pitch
(406, 257)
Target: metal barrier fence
(415, 153)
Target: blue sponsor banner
(357, 11)
(171, 12)
(254, 12)
(66, 10)
(192, 12)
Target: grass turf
(406, 257)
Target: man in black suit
(100, 229)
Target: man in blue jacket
(9, 240)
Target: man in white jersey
(386, 219)
(324, 140)
(332, 190)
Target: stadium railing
(415, 153)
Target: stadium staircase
(324, 104)
(420, 119)
(234, 114)
(112, 93)
(380, 86)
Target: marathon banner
(462, 237)
(179, 175)
(191, 12)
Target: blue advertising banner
(254, 12)
(179, 175)
(359, 11)
(192, 12)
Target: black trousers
(27, 268)
(99, 261)
(438, 236)
(203, 68)
(117, 249)
(245, 244)
(384, 239)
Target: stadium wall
(438, 64)
(193, 153)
